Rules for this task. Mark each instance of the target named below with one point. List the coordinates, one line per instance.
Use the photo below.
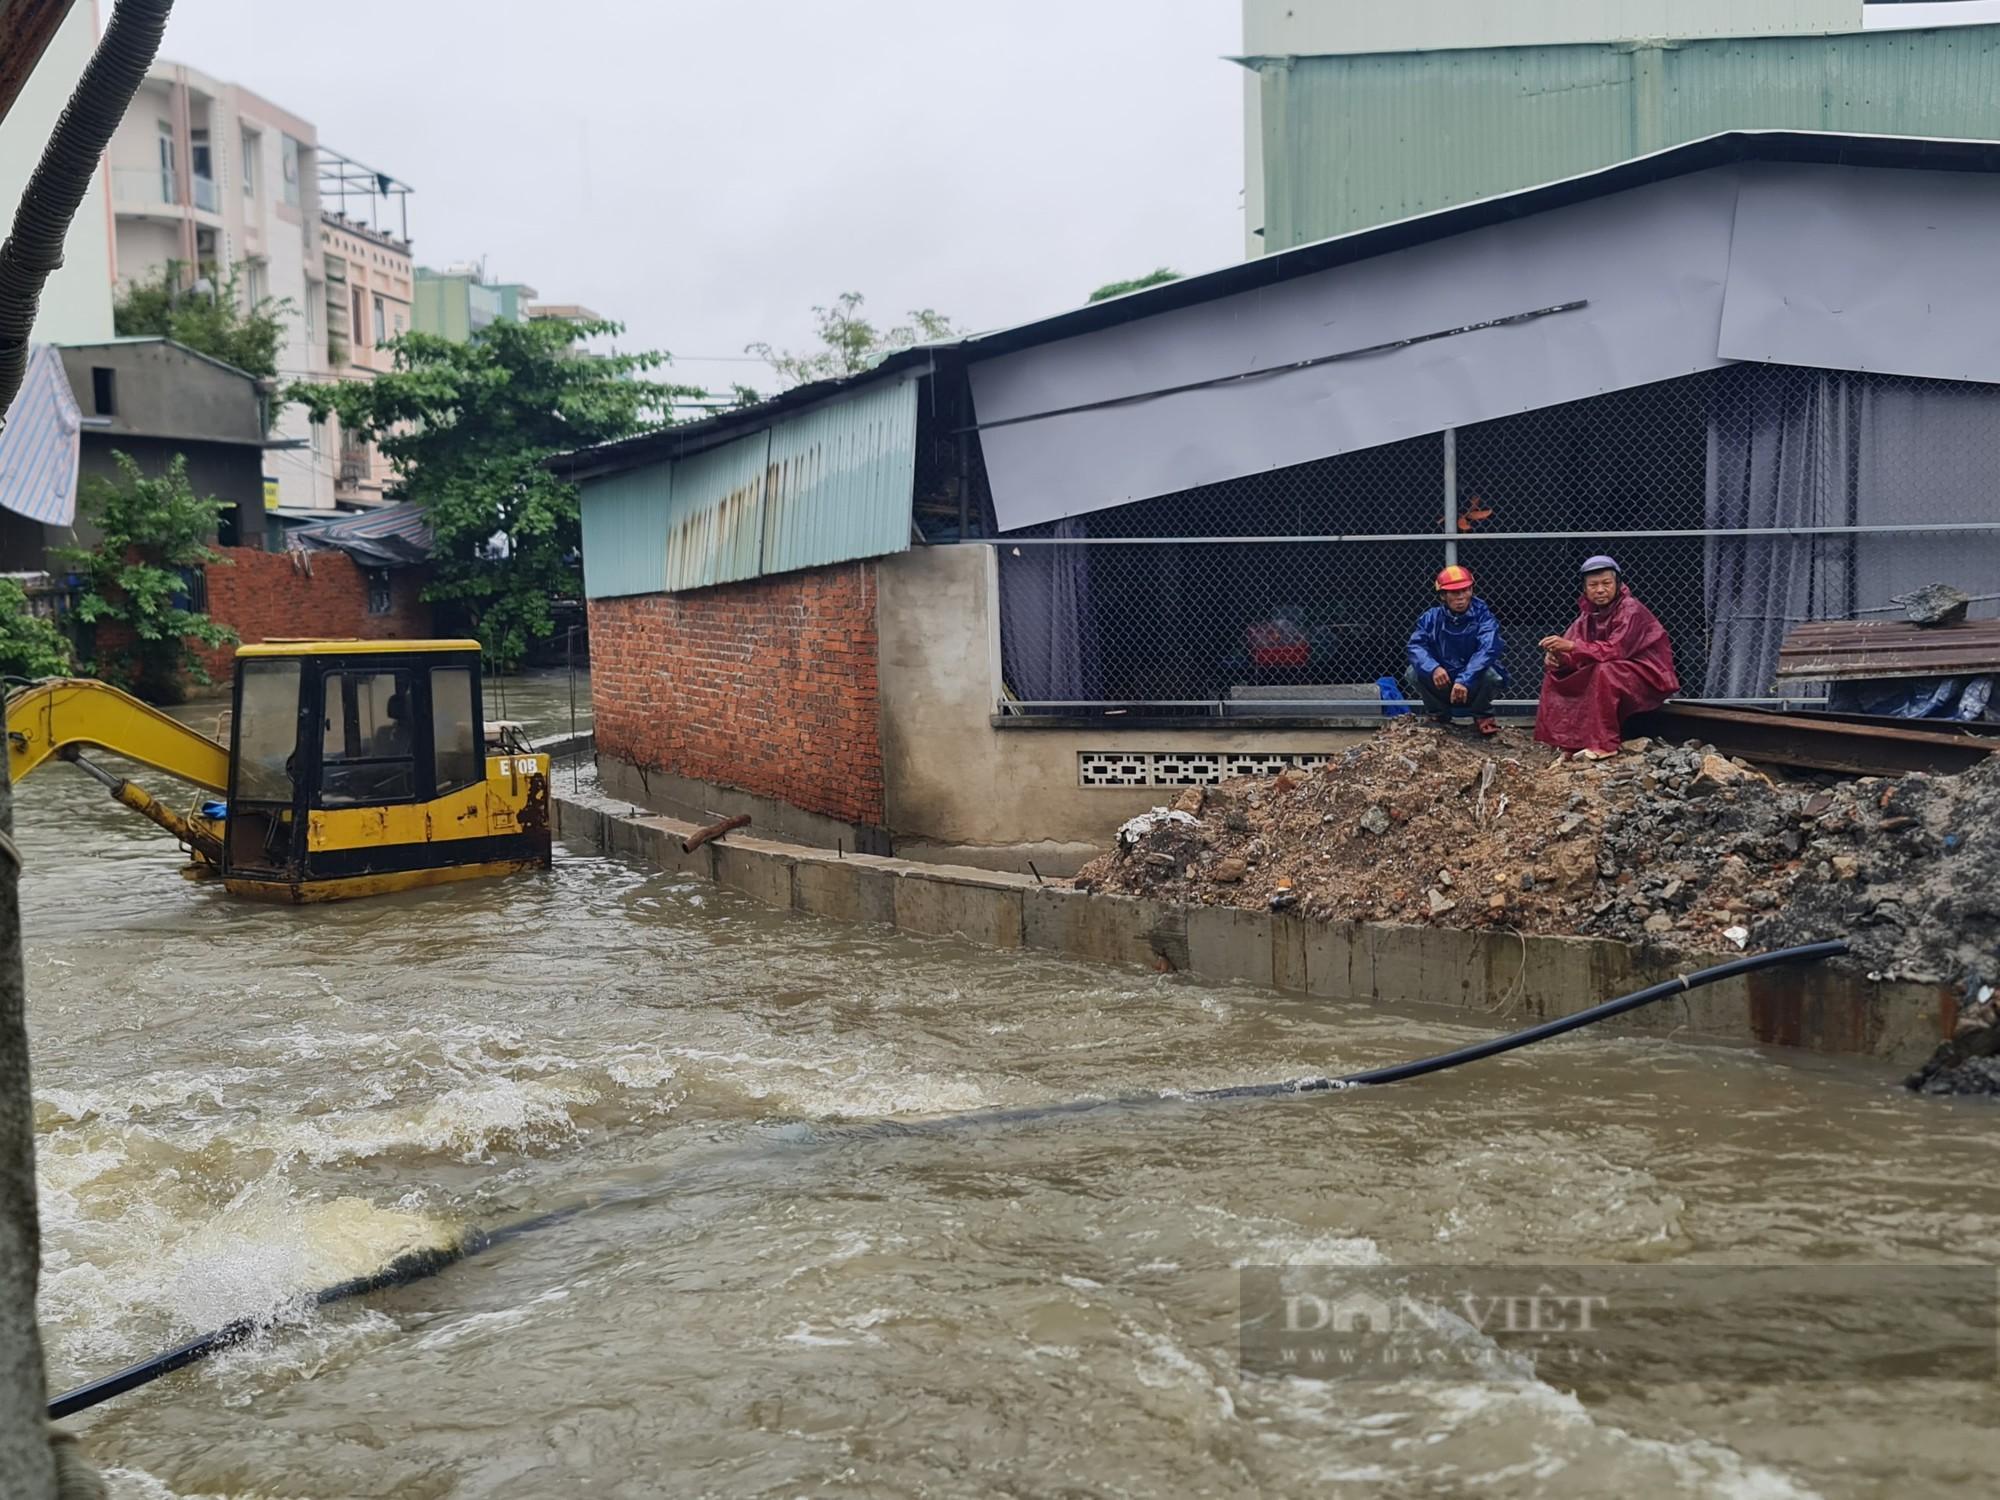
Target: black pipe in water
(417, 1265)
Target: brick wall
(768, 686)
(269, 595)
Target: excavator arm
(68, 713)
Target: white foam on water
(475, 1324)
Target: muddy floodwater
(238, 1103)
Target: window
(381, 600)
(103, 391)
(356, 324)
(267, 730)
(253, 151)
(253, 284)
(311, 321)
(381, 322)
(288, 160)
(454, 729)
(367, 748)
(399, 322)
(318, 439)
(169, 190)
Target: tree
(467, 426)
(850, 343)
(215, 323)
(138, 577)
(30, 646)
(1158, 277)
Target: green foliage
(1138, 283)
(217, 325)
(30, 646)
(849, 343)
(155, 530)
(467, 427)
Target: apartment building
(224, 183)
(370, 287)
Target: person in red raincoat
(1614, 661)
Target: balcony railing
(205, 195)
(151, 186)
(353, 471)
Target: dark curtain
(1780, 453)
(1048, 633)
(1794, 447)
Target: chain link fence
(1741, 502)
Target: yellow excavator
(353, 768)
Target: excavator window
(267, 731)
(368, 746)
(455, 729)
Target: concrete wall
(1508, 980)
(960, 790)
(163, 390)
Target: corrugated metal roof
(1829, 147)
(1351, 142)
(839, 481)
(395, 536)
(1840, 649)
(625, 533)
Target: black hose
(69, 163)
(416, 1265)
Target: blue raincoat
(1464, 645)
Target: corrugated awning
(397, 536)
(38, 445)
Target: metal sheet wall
(625, 532)
(826, 486)
(839, 481)
(715, 521)
(1353, 141)
(1280, 28)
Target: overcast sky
(706, 172)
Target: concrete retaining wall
(1512, 978)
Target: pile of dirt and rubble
(1669, 844)
(1672, 844)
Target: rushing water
(237, 1103)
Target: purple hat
(1600, 562)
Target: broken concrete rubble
(1673, 845)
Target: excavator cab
(354, 768)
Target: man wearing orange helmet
(1457, 658)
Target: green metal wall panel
(1353, 141)
(839, 480)
(715, 515)
(825, 486)
(625, 532)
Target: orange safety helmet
(1454, 577)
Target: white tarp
(39, 444)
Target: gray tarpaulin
(1847, 268)
(1650, 262)
(1842, 268)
